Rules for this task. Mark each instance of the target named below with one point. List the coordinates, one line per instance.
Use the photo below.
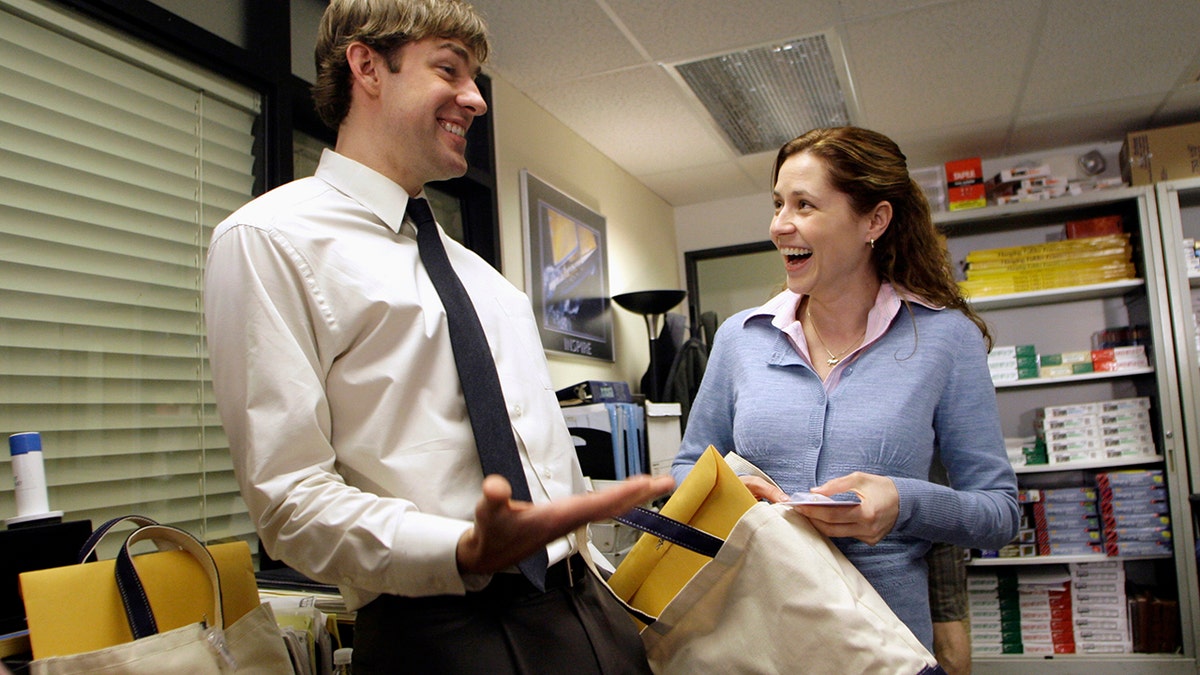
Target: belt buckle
(570, 571)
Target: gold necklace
(833, 359)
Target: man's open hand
(508, 531)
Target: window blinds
(115, 164)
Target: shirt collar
(368, 187)
(782, 308)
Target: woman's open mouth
(795, 255)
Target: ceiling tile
(542, 42)
(935, 146)
(956, 63)
(758, 168)
(638, 118)
(701, 183)
(1181, 107)
(945, 78)
(853, 10)
(1105, 122)
(670, 33)
(1097, 51)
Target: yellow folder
(77, 608)
(712, 498)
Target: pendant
(833, 361)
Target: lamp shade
(650, 302)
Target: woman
(853, 377)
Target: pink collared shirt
(782, 308)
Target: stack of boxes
(1100, 619)
(1134, 512)
(1026, 612)
(1079, 609)
(1025, 183)
(1065, 363)
(1033, 182)
(1066, 522)
(1125, 428)
(994, 609)
(1102, 430)
(1112, 359)
(1191, 257)
(1009, 363)
(1025, 544)
(1025, 451)
(1196, 317)
(1045, 601)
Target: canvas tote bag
(771, 595)
(100, 618)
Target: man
(337, 383)
(948, 608)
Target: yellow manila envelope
(712, 498)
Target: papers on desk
(310, 633)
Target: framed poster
(566, 271)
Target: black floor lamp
(651, 305)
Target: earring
(871, 243)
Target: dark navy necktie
(477, 373)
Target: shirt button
(517, 411)
(547, 474)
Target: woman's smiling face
(823, 241)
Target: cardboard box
(1155, 155)
(965, 188)
(663, 435)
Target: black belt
(566, 573)
(562, 574)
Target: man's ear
(364, 65)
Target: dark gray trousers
(509, 628)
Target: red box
(965, 188)
(1094, 227)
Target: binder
(617, 423)
(609, 439)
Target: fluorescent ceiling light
(760, 98)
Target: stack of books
(1056, 264)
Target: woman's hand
(763, 490)
(869, 521)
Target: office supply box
(1155, 155)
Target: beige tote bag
(252, 645)
(775, 597)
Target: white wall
(639, 224)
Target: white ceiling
(946, 79)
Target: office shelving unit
(1064, 319)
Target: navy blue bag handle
(133, 595)
(669, 529)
